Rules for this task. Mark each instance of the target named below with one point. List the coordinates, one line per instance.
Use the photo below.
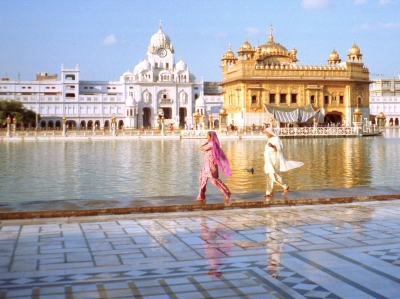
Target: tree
(17, 110)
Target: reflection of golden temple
(269, 74)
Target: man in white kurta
(275, 163)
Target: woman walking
(275, 162)
(214, 157)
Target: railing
(316, 131)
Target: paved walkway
(348, 250)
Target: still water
(43, 171)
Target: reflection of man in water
(274, 250)
(218, 239)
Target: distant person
(214, 157)
(275, 163)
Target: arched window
(254, 99)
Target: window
(156, 65)
(312, 99)
(70, 77)
(70, 95)
(272, 98)
(341, 99)
(164, 96)
(326, 99)
(254, 99)
(293, 99)
(283, 98)
(167, 65)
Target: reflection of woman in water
(211, 238)
(214, 157)
(275, 162)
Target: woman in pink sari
(214, 157)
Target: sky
(109, 37)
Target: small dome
(357, 111)
(200, 102)
(272, 47)
(334, 55)
(160, 39)
(144, 65)
(381, 115)
(223, 110)
(181, 66)
(130, 101)
(229, 54)
(294, 51)
(246, 45)
(354, 50)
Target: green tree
(17, 110)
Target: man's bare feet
(200, 200)
(285, 191)
(268, 195)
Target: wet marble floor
(348, 250)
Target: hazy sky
(109, 37)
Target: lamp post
(64, 121)
(114, 126)
(8, 126)
(14, 121)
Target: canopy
(291, 115)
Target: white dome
(181, 66)
(129, 102)
(160, 39)
(144, 65)
(200, 102)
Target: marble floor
(349, 250)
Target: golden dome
(229, 54)
(246, 45)
(223, 110)
(272, 47)
(381, 115)
(334, 55)
(294, 51)
(357, 111)
(354, 50)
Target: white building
(156, 86)
(385, 97)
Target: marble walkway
(339, 250)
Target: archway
(90, 124)
(71, 124)
(146, 115)
(182, 116)
(97, 124)
(333, 117)
(83, 125)
(43, 124)
(50, 124)
(121, 124)
(396, 121)
(106, 124)
(58, 124)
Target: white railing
(316, 131)
(195, 134)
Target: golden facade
(269, 74)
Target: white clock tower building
(159, 86)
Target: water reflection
(214, 239)
(143, 168)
